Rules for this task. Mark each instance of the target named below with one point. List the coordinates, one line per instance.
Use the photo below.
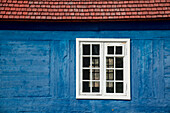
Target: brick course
(84, 9)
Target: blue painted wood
(135, 58)
(38, 69)
(62, 68)
(53, 84)
(148, 63)
(72, 35)
(158, 68)
(167, 47)
(85, 26)
(167, 68)
(141, 69)
(72, 68)
(24, 69)
(167, 57)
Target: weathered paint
(37, 69)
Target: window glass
(118, 49)
(95, 49)
(86, 49)
(110, 50)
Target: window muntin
(103, 69)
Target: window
(102, 68)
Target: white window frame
(103, 95)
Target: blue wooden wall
(37, 67)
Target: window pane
(86, 61)
(119, 87)
(109, 74)
(86, 86)
(118, 49)
(95, 62)
(119, 62)
(86, 49)
(95, 74)
(110, 62)
(95, 87)
(119, 74)
(110, 87)
(95, 50)
(110, 50)
(86, 74)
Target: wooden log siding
(37, 71)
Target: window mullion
(104, 69)
(114, 74)
(90, 68)
(102, 80)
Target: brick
(64, 17)
(43, 17)
(167, 12)
(10, 5)
(28, 9)
(145, 12)
(139, 13)
(39, 9)
(45, 9)
(151, 1)
(20, 1)
(73, 17)
(32, 17)
(129, 13)
(165, 16)
(154, 8)
(117, 13)
(38, 17)
(134, 13)
(161, 12)
(148, 16)
(159, 8)
(19, 13)
(126, 16)
(56, 13)
(68, 17)
(115, 17)
(143, 16)
(50, 14)
(76, 14)
(22, 17)
(84, 17)
(2, 12)
(7, 8)
(153, 16)
(50, 10)
(16, 16)
(89, 17)
(159, 16)
(123, 13)
(8, 12)
(30, 13)
(25, 1)
(27, 17)
(25, 13)
(5, 16)
(32, 6)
